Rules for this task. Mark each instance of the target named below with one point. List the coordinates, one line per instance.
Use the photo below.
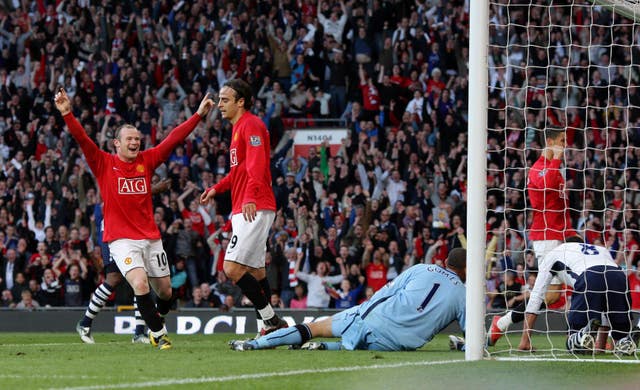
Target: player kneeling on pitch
(601, 295)
(404, 315)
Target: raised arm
(178, 134)
(90, 149)
(190, 187)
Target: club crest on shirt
(128, 261)
(140, 168)
(255, 140)
(542, 172)
(132, 185)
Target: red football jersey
(250, 176)
(370, 97)
(126, 187)
(197, 222)
(376, 276)
(634, 289)
(545, 187)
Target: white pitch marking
(169, 382)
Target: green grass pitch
(60, 360)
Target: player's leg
(139, 336)
(618, 313)
(500, 324)
(261, 277)
(162, 288)
(245, 264)
(602, 337)
(585, 313)
(129, 256)
(98, 299)
(297, 335)
(159, 276)
(157, 266)
(244, 277)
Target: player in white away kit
(601, 295)
(402, 316)
(124, 179)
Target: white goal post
(476, 204)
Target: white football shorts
(148, 254)
(248, 244)
(540, 250)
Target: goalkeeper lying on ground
(404, 315)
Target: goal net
(572, 65)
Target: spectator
(225, 288)
(20, 283)
(51, 289)
(7, 299)
(317, 283)
(299, 301)
(185, 247)
(375, 267)
(27, 302)
(196, 299)
(74, 283)
(334, 25)
(10, 267)
(211, 299)
(348, 297)
(276, 301)
(179, 279)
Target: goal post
(477, 177)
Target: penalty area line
(229, 378)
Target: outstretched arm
(89, 148)
(180, 133)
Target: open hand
(249, 212)
(206, 105)
(62, 101)
(207, 196)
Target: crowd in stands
(394, 72)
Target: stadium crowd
(394, 72)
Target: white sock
(505, 321)
(266, 313)
(159, 333)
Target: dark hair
(457, 259)
(575, 238)
(242, 90)
(553, 133)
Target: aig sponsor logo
(132, 186)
